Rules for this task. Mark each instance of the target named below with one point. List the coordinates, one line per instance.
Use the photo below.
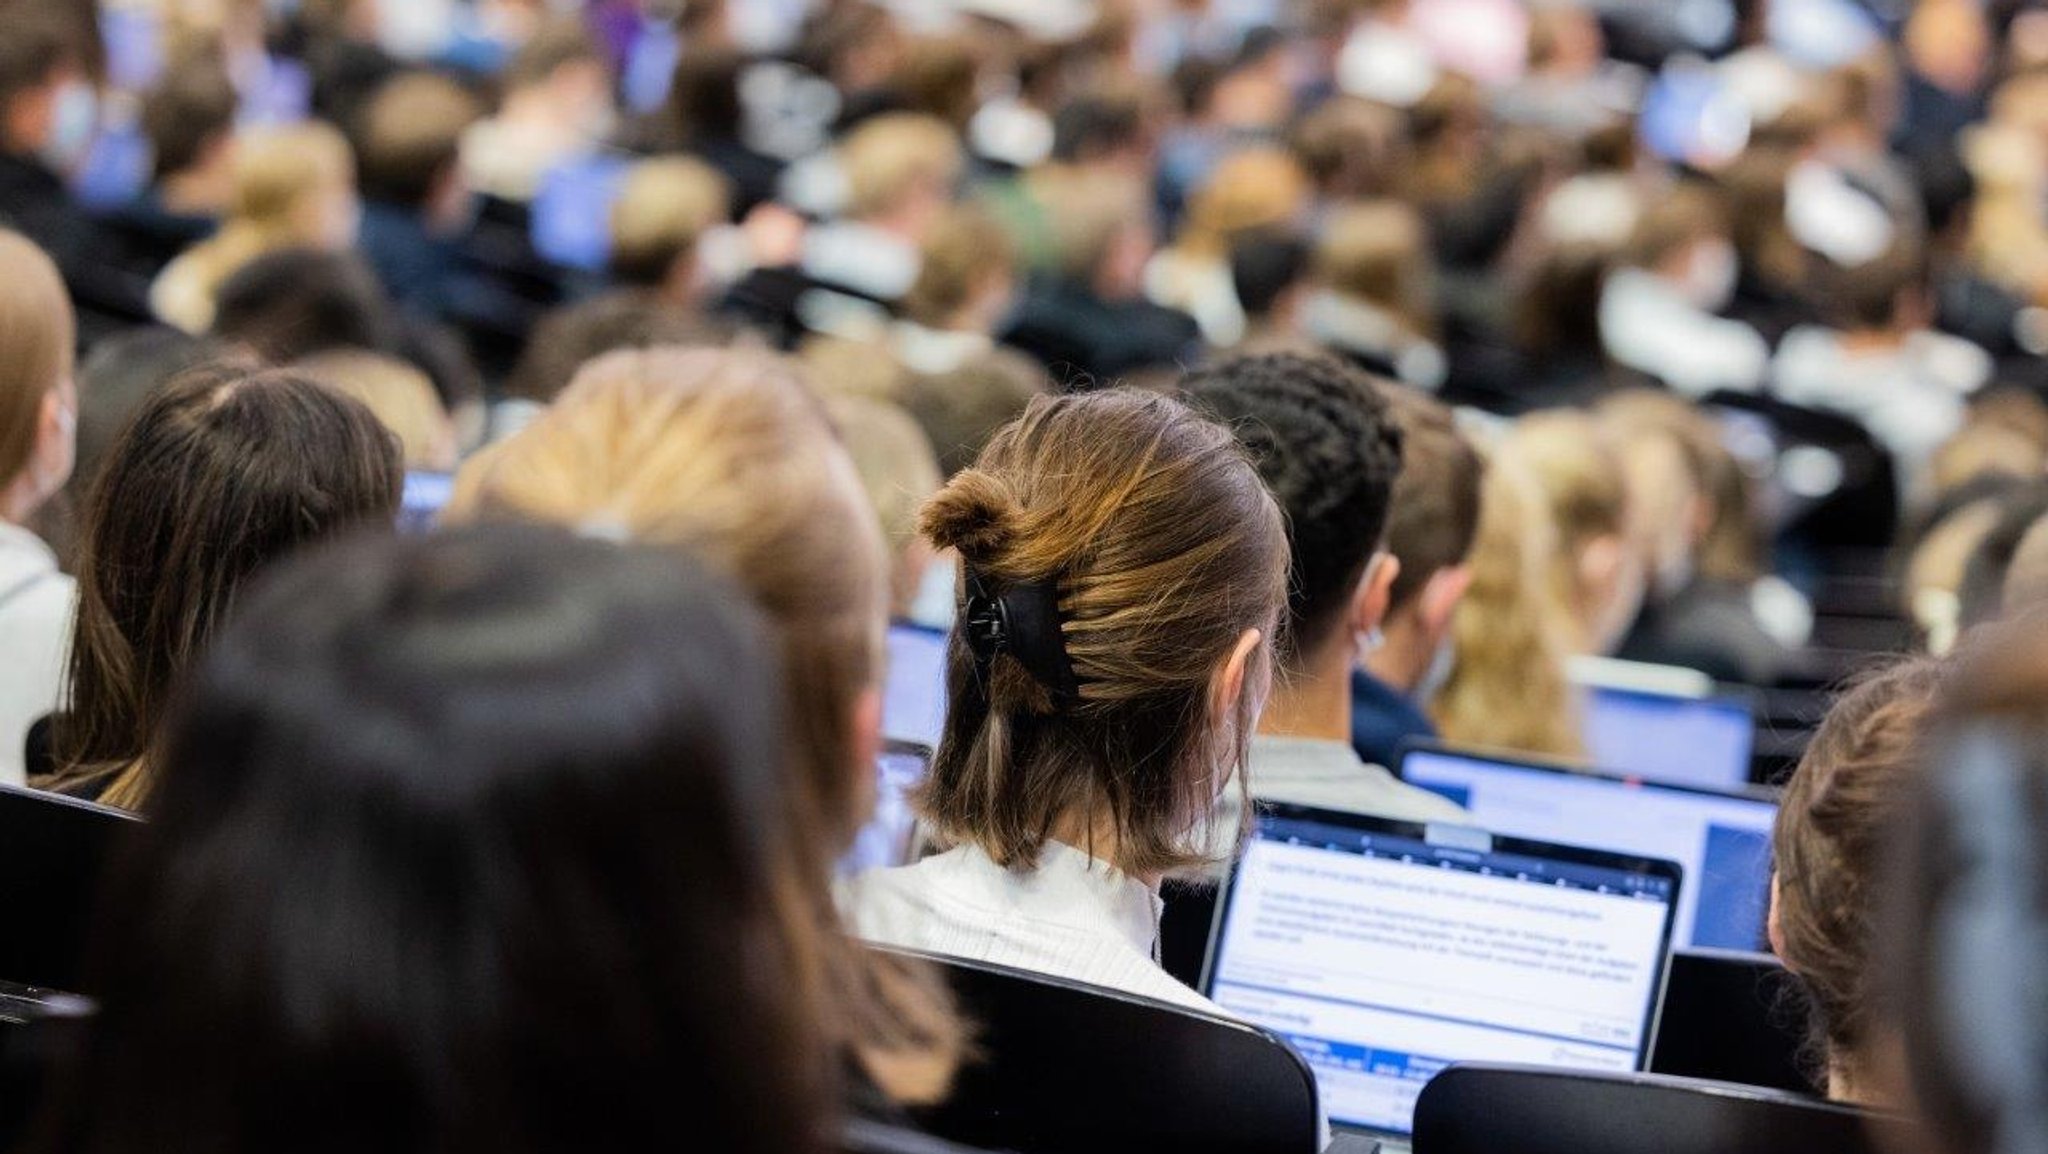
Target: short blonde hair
(888, 155)
(666, 206)
(402, 397)
(276, 169)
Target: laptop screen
(914, 697)
(1675, 740)
(1723, 840)
(886, 839)
(1384, 952)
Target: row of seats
(1153, 1077)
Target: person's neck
(1404, 658)
(1313, 702)
(1855, 341)
(19, 500)
(1096, 835)
(199, 191)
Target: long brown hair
(1832, 833)
(36, 330)
(222, 472)
(1162, 547)
(729, 453)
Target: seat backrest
(1068, 1068)
(52, 851)
(1485, 1109)
(1731, 1017)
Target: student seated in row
(1432, 523)
(466, 842)
(1830, 844)
(1124, 571)
(730, 454)
(222, 472)
(1329, 449)
(38, 441)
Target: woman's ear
(865, 730)
(1774, 929)
(1238, 675)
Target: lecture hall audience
(1251, 390)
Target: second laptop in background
(1723, 839)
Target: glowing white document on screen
(1382, 971)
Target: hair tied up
(975, 513)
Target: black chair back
(52, 852)
(1486, 1109)
(1731, 1017)
(1068, 1068)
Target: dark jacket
(1083, 340)
(1383, 719)
(35, 203)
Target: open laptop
(52, 852)
(914, 696)
(1722, 838)
(890, 837)
(1384, 951)
(1673, 740)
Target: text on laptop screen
(914, 697)
(1383, 958)
(1704, 742)
(1722, 840)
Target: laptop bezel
(1420, 831)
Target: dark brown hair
(465, 842)
(1163, 547)
(222, 472)
(192, 108)
(1829, 844)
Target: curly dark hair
(1329, 448)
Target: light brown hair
(665, 208)
(964, 249)
(278, 174)
(1674, 220)
(899, 474)
(889, 155)
(1378, 252)
(409, 135)
(402, 397)
(1434, 518)
(36, 340)
(728, 453)
(1582, 487)
(1162, 547)
(1830, 842)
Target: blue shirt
(1382, 718)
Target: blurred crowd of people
(1694, 321)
